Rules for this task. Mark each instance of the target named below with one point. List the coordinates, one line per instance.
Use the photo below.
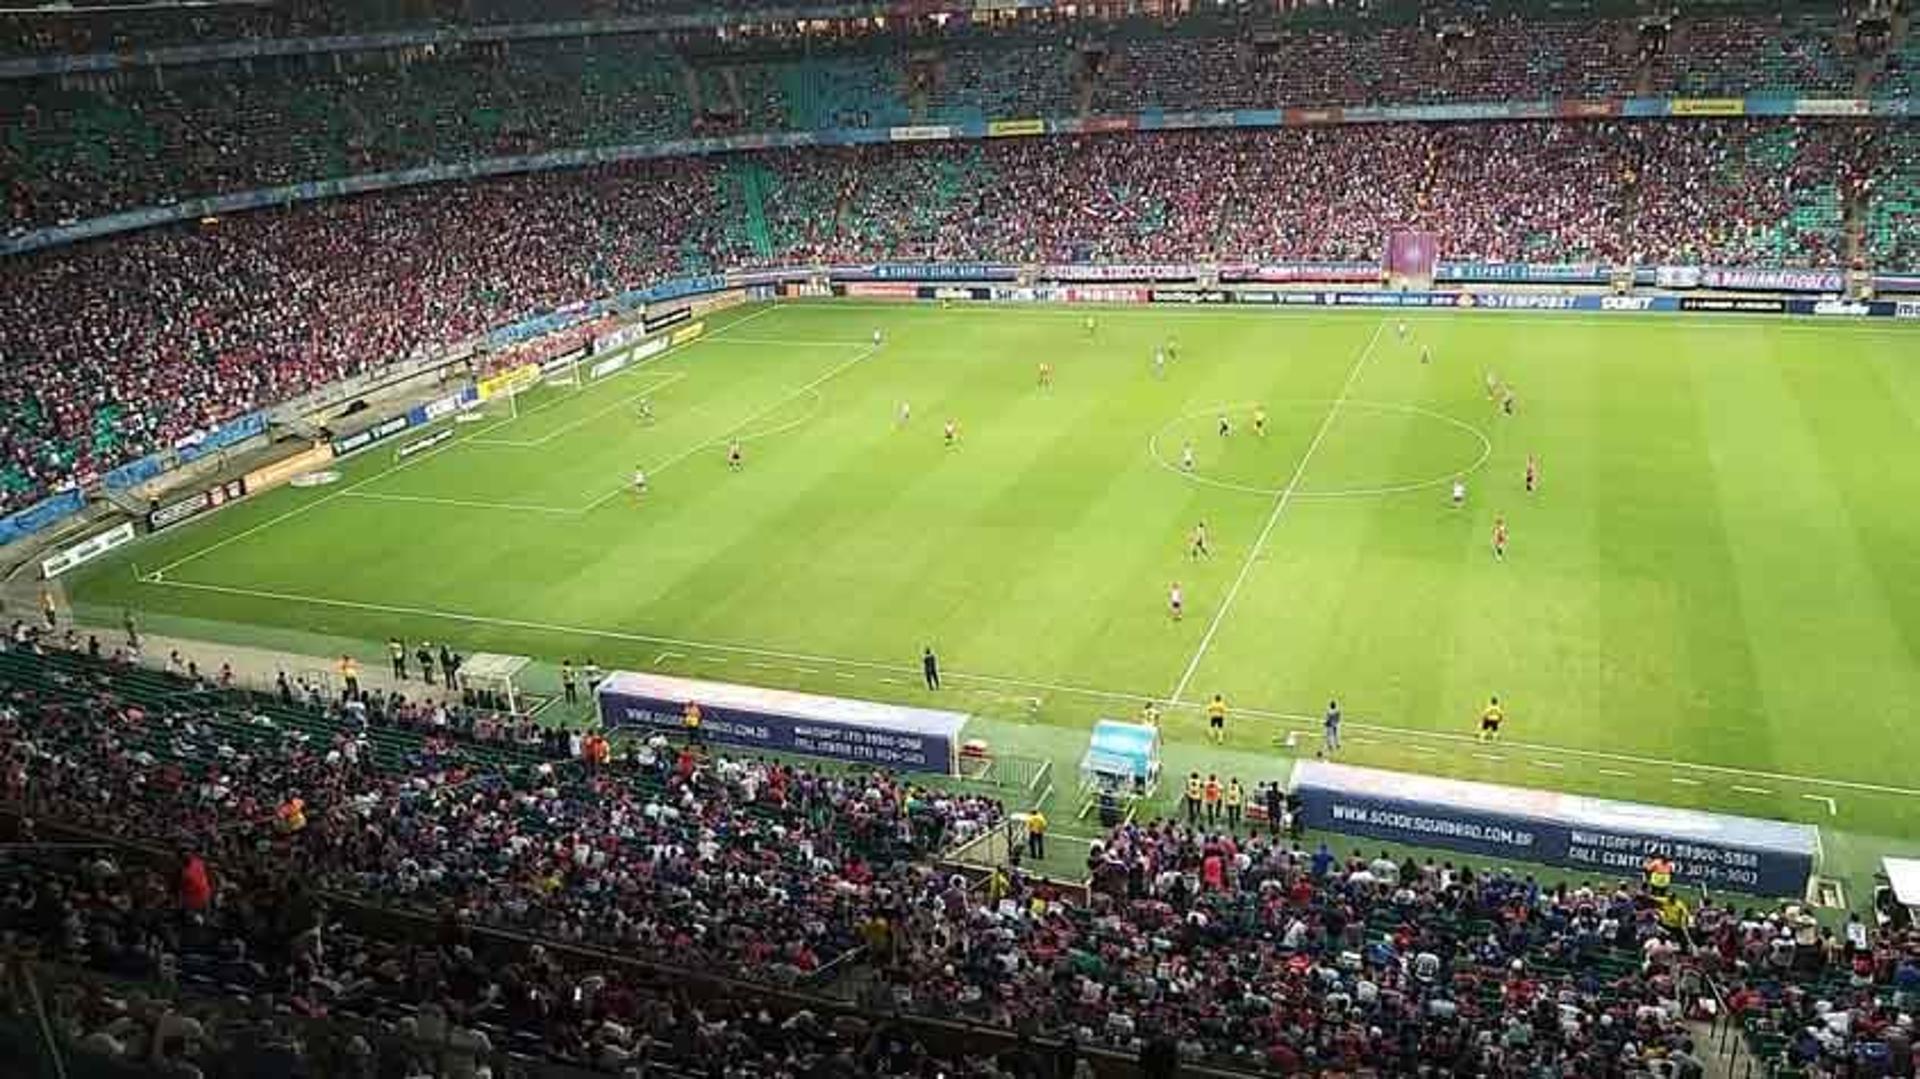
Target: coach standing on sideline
(930, 667)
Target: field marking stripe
(380, 496)
(1280, 505)
(667, 378)
(810, 387)
(1750, 790)
(428, 455)
(1053, 687)
(304, 507)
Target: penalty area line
(891, 673)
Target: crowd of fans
(1241, 947)
(80, 146)
(126, 345)
(242, 971)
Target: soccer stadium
(969, 538)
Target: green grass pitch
(1713, 599)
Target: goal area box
(1742, 854)
(835, 728)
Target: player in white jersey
(1160, 363)
(1176, 602)
(639, 481)
(876, 337)
(1459, 491)
(906, 413)
(1186, 457)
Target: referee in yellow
(1217, 719)
(1490, 720)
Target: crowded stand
(267, 834)
(81, 146)
(183, 970)
(191, 325)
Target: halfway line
(1280, 505)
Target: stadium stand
(1247, 951)
(80, 146)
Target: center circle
(1369, 448)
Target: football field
(1712, 599)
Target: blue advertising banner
(41, 515)
(926, 271)
(1838, 308)
(842, 729)
(1569, 273)
(1743, 854)
(195, 447)
(135, 473)
(1392, 299)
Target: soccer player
(1173, 349)
(1506, 401)
(1426, 354)
(1089, 326)
(1160, 363)
(1197, 545)
(645, 410)
(1260, 421)
(951, 432)
(1533, 473)
(1150, 714)
(1500, 538)
(876, 337)
(1330, 729)
(1459, 491)
(735, 456)
(906, 413)
(1490, 719)
(930, 667)
(1493, 386)
(1046, 374)
(639, 481)
(1223, 426)
(1217, 719)
(1176, 602)
(1186, 457)
(1403, 330)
